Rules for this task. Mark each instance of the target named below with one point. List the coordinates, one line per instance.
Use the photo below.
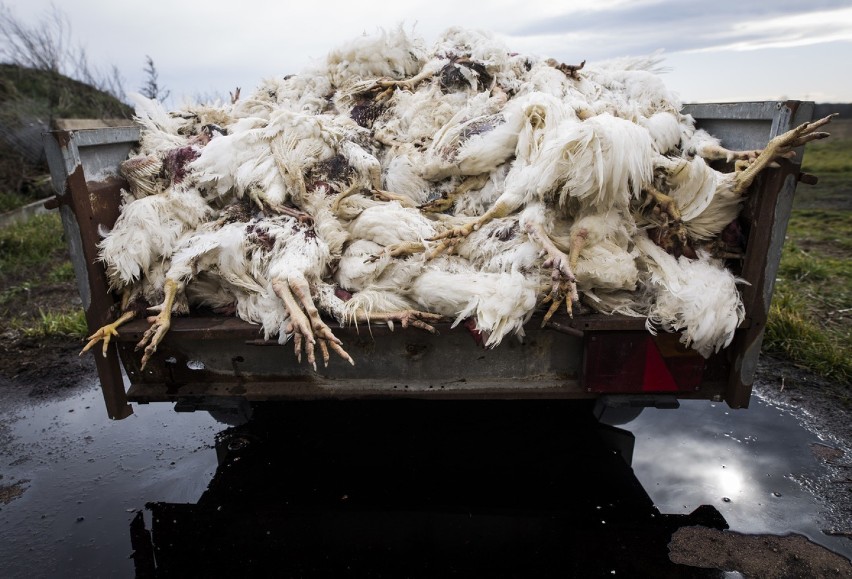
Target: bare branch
(42, 46)
(47, 45)
(152, 89)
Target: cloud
(643, 27)
(228, 43)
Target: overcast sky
(726, 50)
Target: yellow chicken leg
(780, 146)
(107, 332)
(406, 318)
(307, 326)
(160, 323)
(563, 281)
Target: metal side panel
(743, 126)
(84, 173)
(198, 360)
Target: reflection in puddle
(412, 488)
(86, 477)
(413, 485)
(756, 466)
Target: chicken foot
(346, 193)
(448, 240)
(446, 201)
(406, 318)
(407, 84)
(779, 147)
(563, 280)
(383, 195)
(160, 323)
(383, 88)
(720, 153)
(294, 212)
(403, 249)
(665, 204)
(107, 332)
(307, 326)
(569, 70)
(443, 203)
(672, 233)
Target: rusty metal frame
(86, 203)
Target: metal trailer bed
(206, 360)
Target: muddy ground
(42, 367)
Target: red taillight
(639, 362)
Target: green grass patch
(10, 293)
(12, 200)
(811, 314)
(831, 161)
(828, 156)
(35, 277)
(38, 92)
(31, 243)
(61, 273)
(71, 324)
(793, 332)
(825, 234)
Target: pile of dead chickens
(395, 182)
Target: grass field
(811, 314)
(38, 295)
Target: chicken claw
(307, 327)
(569, 70)
(779, 147)
(382, 195)
(160, 323)
(408, 84)
(300, 328)
(406, 318)
(448, 240)
(563, 281)
(557, 296)
(403, 249)
(106, 333)
(439, 205)
(308, 341)
(563, 284)
(665, 203)
(152, 337)
(448, 198)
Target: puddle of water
(418, 488)
(87, 475)
(756, 466)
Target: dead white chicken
(146, 234)
(220, 248)
(693, 202)
(697, 297)
(601, 163)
